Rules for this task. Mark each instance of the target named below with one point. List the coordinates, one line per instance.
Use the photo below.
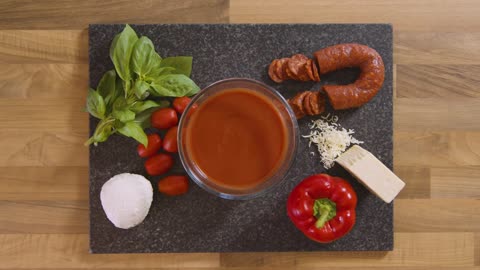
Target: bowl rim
(246, 196)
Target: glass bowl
(287, 115)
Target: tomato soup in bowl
(237, 138)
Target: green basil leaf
(124, 115)
(182, 64)
(103, 130)
(122, 52)
(157, 72)
(127, 87)
(141, 106)
(193, 91)
(144, 58)
(143, 118)
(174, 85)
(113, 45)
(134, 130)
(95, 104)
(120, 104)
(140, 89)
(119, 92)
(157, 59)
(106, 87)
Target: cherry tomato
(154, 144)
(173, 185)
(180, 103)
(170, 140)
(159, 164)
(164, 118)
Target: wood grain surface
(43, 163)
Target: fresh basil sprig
(127, 96)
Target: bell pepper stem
(323, 218)
(324, 209)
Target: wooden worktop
(43, 163)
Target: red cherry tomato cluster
(154, 145)
(164, 118)
(161, 163)
(180, 104)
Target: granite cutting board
(201, 222)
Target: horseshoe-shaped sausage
(352, 55)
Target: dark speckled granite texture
(201, 222)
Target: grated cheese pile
(331, 139)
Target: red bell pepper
(323, 207)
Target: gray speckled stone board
(201, 222)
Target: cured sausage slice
(298, 101)
(280, 67)
(315, 71)
(271, 72)
(352, 55)
(308, 67)
(289, 73)
(307, 107)
(307, 103)
(296, 65)
(303, 72)
(314, 103)
(296, 109)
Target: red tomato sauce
(237, 138)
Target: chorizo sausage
(307, 103)
(296, 109)
(272, 73)
(297, 104)
(316, 75)
(317, 103)
(309, 68)
(280, 69)
(352, 55)
(298, 67)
